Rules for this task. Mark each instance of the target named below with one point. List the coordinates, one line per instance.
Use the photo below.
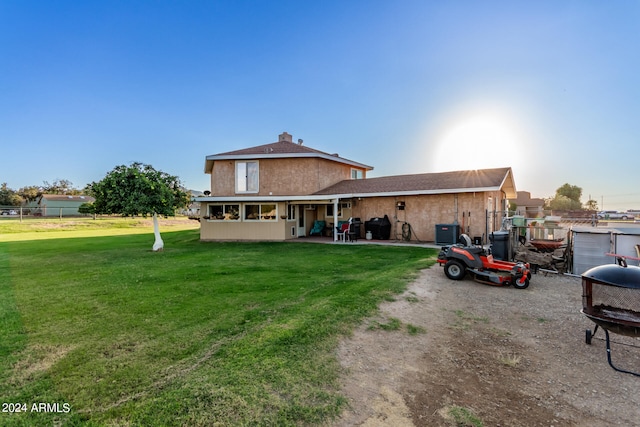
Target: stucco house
(528, 206)
(276, 191)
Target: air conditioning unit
(447, 234)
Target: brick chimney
(285, 137)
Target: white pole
(335, 220)
(158, 245)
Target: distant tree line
(567, 198)
(11, 197)
(134, 190)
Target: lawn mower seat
(465, 240)
(318, 227)
(468, 245)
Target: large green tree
(139, 190)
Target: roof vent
(285, 137)
(300, 142)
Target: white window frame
(261, 214)
(357, 174)
(291, 212)
(244, 183)
(229, 214)
(329, 211)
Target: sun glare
(477, 141)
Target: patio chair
(342, 230)
(318, 228)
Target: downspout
(455, 208)
(505, 205)
(486, 224)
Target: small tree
(562, 203)
(30, 193)
(8, 197)
(139, 190)
(591, 205)
(567, 198)
(87, 208)
(573, 192)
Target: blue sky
(550, 88)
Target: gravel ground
(510, 357)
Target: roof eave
(308, 198)
(509, 190)
(329, 197)
(417, 192)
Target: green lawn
(200, 334)
(30, 228)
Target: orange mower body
(460, 259)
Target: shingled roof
(429, 183)
(284, 148)
(67, 198)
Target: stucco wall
(223, 178)
(278, 229)
(297, 176)
(421, 212)
(215, 230)
(424, 212)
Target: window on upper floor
(356, 174)
(247, 177)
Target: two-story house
(276, 191)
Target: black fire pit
(611, 299)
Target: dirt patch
(36, 360)
(505, 356)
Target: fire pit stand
(611, 299)
(589, 335)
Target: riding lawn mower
(462, 258)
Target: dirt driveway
(507, 357)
